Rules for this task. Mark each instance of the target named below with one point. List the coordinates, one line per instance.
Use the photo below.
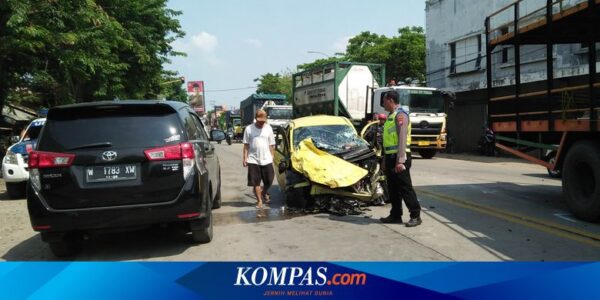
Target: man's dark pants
(400, 187)
(257, 173)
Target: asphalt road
(474, 209)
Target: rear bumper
(191, 200)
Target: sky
(229, 43)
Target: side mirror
(282, 167)
(14, 139)
(217, 135)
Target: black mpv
(122, 164)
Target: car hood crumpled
(324, 168)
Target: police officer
(396, 147)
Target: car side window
(191, 128)
(202, 134)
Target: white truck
(277, 115)
(427, 116)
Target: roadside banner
(195, 90)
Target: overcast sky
(231, 42)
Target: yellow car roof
(319, 120)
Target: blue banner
(252, 280)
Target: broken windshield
(334, 139)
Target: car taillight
(40, 159)
(164, 153)
(184, 151)
(187, 150)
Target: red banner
(195, 86)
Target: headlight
(10, 158)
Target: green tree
(320, 62)
(275, 84)
(403, 55)
(63, 51)
(368, 47)
(408, 55)
(172, 88)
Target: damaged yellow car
(321, 161)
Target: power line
(234, 89)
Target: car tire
(202, 230)
(217, 200)
(68, 246)
(16, 190)
(427, 153)
(581, 180)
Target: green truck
(273, 104)
(337, 89)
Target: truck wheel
(581, 180)
(551, 158)
(427, 153)
(16, 190)
(202, 230)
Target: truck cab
(278, 115)
(427, 116)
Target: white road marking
(566, 216)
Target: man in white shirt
(259, 148)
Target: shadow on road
(481, 159)
(365, 219)
(117, 246)
(542, 176)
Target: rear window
(32, 133)
(121, 126)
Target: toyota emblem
(109, 155)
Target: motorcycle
(487, 142)
(229, 136)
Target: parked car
(111, 165)
(323, 158)
(14, 164)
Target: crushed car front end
(329, 165)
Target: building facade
(456, 41)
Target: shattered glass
(334, 139)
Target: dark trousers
(400, 187)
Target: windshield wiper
(94, 145)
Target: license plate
(111, 173)
(423, 143)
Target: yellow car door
(368, 129)
(282, 155)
